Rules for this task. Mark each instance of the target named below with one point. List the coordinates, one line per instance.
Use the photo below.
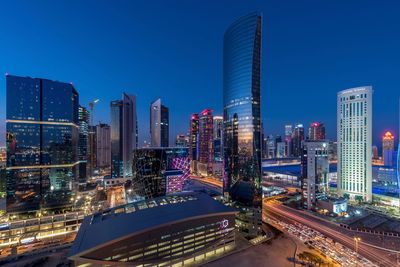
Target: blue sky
(173, 50)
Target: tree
(359, 199)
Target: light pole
(357, 240)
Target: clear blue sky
(173, 50)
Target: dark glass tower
(242, 112)
(83, 143)
(124, 135)
(42, 143)
(159, 124)
(194, 137)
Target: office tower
(124, 135)
(83, 142)
(91, 162)
(375, 153)
(182, 140)
(206, 139)
(103, 145)
(218, 131)
(388, 149)
(159, 124)
(42, 143)
(297, 140)
(280, 149)
(242, 119)
(194, 137)
(288, 140)
(354, 132)
(316, 132)
(270, 147)
(314, 172)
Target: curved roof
(134, 218)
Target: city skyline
(338, 59)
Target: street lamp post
(357, 240)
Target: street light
(357, 240)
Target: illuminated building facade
(288, 140)
(206, 139)
(314, 172)
(42, 143)
(193, 228)
(194, 137)
(316, 132)
(159, 124)
(388, 149)
(182, 140)
(354, 133)
(218, 124)
(242, 112)
(124, 135)
(103, 145)
(83, 143)
(149, 165)
(297, 140)
(173, 181)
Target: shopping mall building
(185, 229)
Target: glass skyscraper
(159, 124)
(124, 135)
(242, 112)
(83, 143)
(42, 143)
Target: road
(276, 210)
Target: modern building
(354, 133)
(271, 148)
(242, 120)
(206, 140)
(316, 132)
(149, 166)
(375, 152)
(218, 124)
(194, 137)
(297, 140)
(288, 140)
(124, 135)
(314, 172)
(388, 149)
(103, 145)
(159, 124)
(173, 181)
(182, 140)
(177, 230)
(42, 137)
(280, 149)
(92, 149)
(83, 143)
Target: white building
(354, 133)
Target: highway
(275, 210)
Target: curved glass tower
(242, 114)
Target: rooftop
(137, 217)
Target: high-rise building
(103, 145)
(182, 140)
(91, 159)
(242, 119)
(297, 140)
(316, 132)
(194, 137)
(354, 133)
(388, 149)
(159, 124)
(42, 143)
(206, 139)
(280, 149)
(83, 143)
(271, 146)
(314, 172)
(124, 135)
(218, 144)
(288, 140)
(375, 152)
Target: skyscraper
(193, 138)
(42, 143)
(297, 140)
(218, 131)
(316, 132)
(159, 124)
(103, 145)
(83, 143)
(288, 140)
(354, 133)
(242, 112)
(388, 149)
(124, 135)
(182, 140)
(314, 172)
(206, 139)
